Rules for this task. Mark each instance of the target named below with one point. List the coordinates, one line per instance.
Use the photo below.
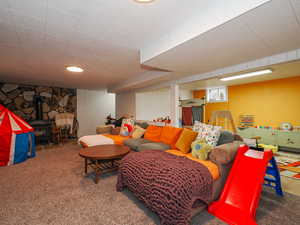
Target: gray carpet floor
(52, 189)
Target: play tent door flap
(16, 138)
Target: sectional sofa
(158, 139)
(165, 139)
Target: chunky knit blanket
(168, 184)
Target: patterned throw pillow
(200, 149)
(138, 132)
(197, 126)
(127, 127)
(208, 132)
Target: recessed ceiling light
(251, 74)
(144, 1)
(75, 69)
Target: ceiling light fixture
(251, 74)
(144, 1)
(75, 69)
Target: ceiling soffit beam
(220, 11)
(139, 81)
(251, 65)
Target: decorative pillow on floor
(127, 127)
(138, 132)
(209, 133)
(200, 149)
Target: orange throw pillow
(185, 140)
(153, 133)
(170, 135)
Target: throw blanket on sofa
(92, 140)
(168, 184)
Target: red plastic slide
(240, 196)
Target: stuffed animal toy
(127, 127)
(200, 149)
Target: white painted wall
(92, 109)
(125, 104)
(153, 104)
(174, 99)
(185, 94)
(158, 103)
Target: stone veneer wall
(20, 100)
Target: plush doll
(129, 127)
(200, 149)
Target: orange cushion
(185, 140)
(176, 152)
(153, 133)
(170, 135)
(118, 139)
(212, 167)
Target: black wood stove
(42, 128)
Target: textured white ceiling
(38, 38)
(267, 30)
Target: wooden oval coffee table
(103, 158)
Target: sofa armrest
(104, 129)
(224, 154)
(219, 184)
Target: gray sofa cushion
(143, 125)
(133, 143)
(153, 146)
(225, 137)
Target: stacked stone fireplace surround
(38, 105)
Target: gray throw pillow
(225, 137)
(143, 125)
(133, 143)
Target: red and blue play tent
(16, 138)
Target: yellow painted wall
(271, 102)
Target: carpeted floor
(52, 189)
